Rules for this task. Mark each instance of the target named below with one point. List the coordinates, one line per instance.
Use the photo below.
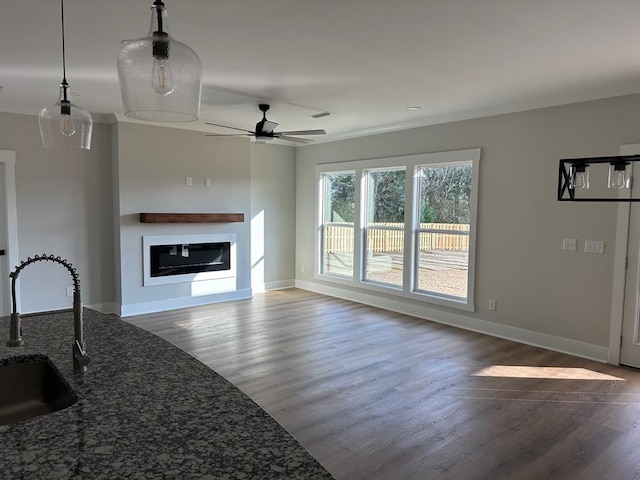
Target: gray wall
(520, 262)
(64, 206)
(153, 162)
(273, 209)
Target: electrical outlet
(207, 182)
(492, 305)
(301, 268)
(69, 291)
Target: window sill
(396, 291)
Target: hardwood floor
(375, 395)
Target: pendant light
(160, 78)
(64, 124)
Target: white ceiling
(365, 61)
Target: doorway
(630, 331)
(8, 228)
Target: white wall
(153, 162)
(64, 208)
(273, 207)
(544, 295)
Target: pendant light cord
(64, 58)
(159, 5)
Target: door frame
(8, 160)
(620, 269)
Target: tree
(445, 194)
(388, 194)
(341, 190)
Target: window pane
(385, 196)
(338, 223)
(445, 195)
(443, 270)
(339, 197)
(384, 258)
(445, 205)
(384, 240)
(338, 251)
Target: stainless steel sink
(32, 386)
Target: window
(404, 226)
(338, 214)
(384, 228)
(444, 197)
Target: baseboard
(107, 308)
(460, 320)
(183, 302)
(280, 285)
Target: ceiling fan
(265, 130)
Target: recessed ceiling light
(414, 109)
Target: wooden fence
(340, 238)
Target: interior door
(630, 342)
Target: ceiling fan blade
(303, 132)
(226, 126)
(228, 134)
(292, 139)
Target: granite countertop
(146, 410)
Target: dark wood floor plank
(377, 395)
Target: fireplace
(188, 258)
(182, 258)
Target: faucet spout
(80, 358)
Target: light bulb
(618, 179)
(580, 177)
(161, 77)
(619, 175)
(67, 127)
(580, 181)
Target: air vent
(321, 115)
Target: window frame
(366, 226)
(322, 224)
(412, 163)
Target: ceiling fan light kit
(160, 78)
(65, 124)
(265, 130)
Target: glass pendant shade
(579, 177)
(160, 78)
(64, 124)
(619, 175)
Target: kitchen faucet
(80, 358)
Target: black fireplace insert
(184, 258)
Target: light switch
(593, 246)
(569, 244)
(207, 182)
(187, 181)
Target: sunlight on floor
(560, 373)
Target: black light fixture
(574, 181)
(64, 124)
(160, 78)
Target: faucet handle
(80, 358)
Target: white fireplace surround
(225, 279)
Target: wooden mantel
(191, 217)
